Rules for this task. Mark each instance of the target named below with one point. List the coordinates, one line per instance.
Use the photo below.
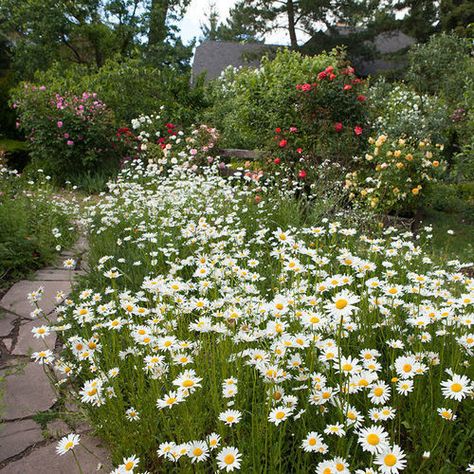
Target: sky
(196, 14)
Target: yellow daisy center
(341, 303)
(456, 387)
(373, 439)
(390, 460)
(229, 458)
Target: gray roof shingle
(213, 57)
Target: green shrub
(248, 104)
(441, 66)
(333, 115)
(452, 198)
(131, 88)
(68, 135)
(398, 110)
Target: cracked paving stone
(56, 275)
(6, 323)
(44, 460)
(16, 436)
(16, 300)
(27, 343)
(27, 392)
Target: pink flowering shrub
(202, 145)
(68, 135)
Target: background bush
(398, 109)
(441, 67)
(131, 88)
(247, 105)
(68, 135)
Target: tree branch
(69, 45)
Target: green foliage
(395, 174)
(457, 15)
(68, 135)
(398, 110)
(442, 66)
(34, 223)
(333, 114)
(242, 24)
(131, 88)
(452, 198)
(247, 105)
(90, 32)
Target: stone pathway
(33, 419)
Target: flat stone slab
(6, 323)
(57, 275)
(81, 245)
(44, 460)
(27, 343)
(27, 392)
(16, 300)
(57, 429)
(17, 436)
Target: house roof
(212, 57)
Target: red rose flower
(302, 174)
(283, 143)
(322, 75)
(347, 87)
(358, 130)
(361, 98)
(277, 161)
(299, 150)
(332, 76)
(293, 129)
(278, 130)
(338, 127)
(329, 69)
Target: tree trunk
(158, 14)
(291, 24)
